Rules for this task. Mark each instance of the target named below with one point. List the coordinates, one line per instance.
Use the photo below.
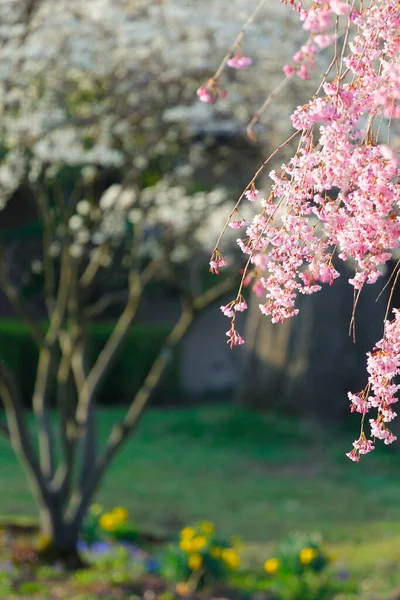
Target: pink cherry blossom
(217, 261)
(360, 446)
(358, 403)
(241, 305)
(345, 135)
(339, 7)
(238, 223)
(228, 310)
(251, 194)
(239, 61)
(210, 92)
(288, 70)
(234, 338)
(204, 95)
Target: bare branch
(18, 430)
(48, 263)
(104, 302)
(19, 306)
(214, 293)
(62, 480)
(122, 430)
(110, 350)
(90, 272)
(22, 310)
(39, 404)
(163, 359)
(45, 371)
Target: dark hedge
(20, 354)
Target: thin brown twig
(270, 98)
(389, 280)
(252, 181)
(237, 41)
(352, 326)
(391, 295)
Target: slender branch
(77, 342)
(39, 404)
(105, 360)
(121, 431)
(104, 302)
(45, 370)
(18, 430)
(90, 272)
(110, 350)
(80, 370)
(213, 294)
(19, 306)
(48, 263)
(270, 98)
(22, 311)
(113, 345)
(252, 181)
(62, 480)
(238, 39)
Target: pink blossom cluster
(319, 21)
(339, 195)
(217, 261)
(383, 366)
(210, 92)
(239, 61)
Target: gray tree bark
(307, 365)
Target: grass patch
(256, 476)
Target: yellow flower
(96, 510)
(198, 543)
(44, 541)
(187, 533)
(120, 514)
(207, 527)
(307, 555)
(186, 545)
(216, 552)
(108, 522)
(182, 588)
(271, 566)
(195, 561)
(230, 558)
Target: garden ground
(255, 476)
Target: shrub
(199, 557)
(113, 525)
(299, 571)
(299, 554)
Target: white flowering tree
(84, 122)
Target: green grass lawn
(255, 476)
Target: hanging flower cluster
(339, 195)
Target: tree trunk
(58, 537)
(307, 365)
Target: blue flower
(343, 574)
(82, 546)
(101, 548)
(152, 565)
